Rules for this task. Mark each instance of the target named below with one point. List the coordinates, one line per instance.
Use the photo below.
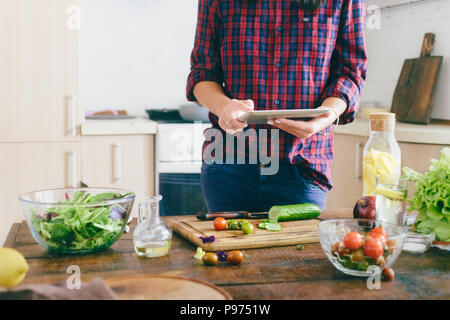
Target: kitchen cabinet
(26, 167)
(119, 161)
(39, 63)
(347, 166)
(346, 171)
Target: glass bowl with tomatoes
(358, 246)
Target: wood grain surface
(270, 273)
(293, 232)
(416, 88)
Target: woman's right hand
(228, 116)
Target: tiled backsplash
(400, 37)
(136, 52)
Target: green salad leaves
(82, 223)
(432, 197)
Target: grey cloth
(97, 289)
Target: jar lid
(382, 121)
(382, 116)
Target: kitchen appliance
(178, 161)
(194, 112)
(416, 88)
(292, 233)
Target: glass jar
(382, 155)
(152, 237)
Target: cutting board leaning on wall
(416, 88)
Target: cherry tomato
(247, 228)
(353, 240)
(373, 248)
(220, 223)
(388, 274)
(210, 259)
(235, 257)
(378, 233)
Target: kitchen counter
(404, 132)
(118, 127)
(270, 273)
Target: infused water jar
(152, 237)
(382, 155)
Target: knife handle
(225, 214)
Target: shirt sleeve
(349, 61)
(205, 57)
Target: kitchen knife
(232, 215)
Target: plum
(365, 208)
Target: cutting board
(416, 88)
(292, 233)
(160, 287)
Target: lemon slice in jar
(390, 193)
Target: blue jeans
(241, 187)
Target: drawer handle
(117, 156)
(73, 115)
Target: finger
(249, 103)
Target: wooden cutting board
(292, 233)
(416, 88)
(160, 287)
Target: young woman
(273, 55)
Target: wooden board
(416, 88)
(159, 287)
(292, 233)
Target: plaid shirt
(284, 57)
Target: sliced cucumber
(303, 211)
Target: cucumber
(292, 212)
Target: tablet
(261, 117)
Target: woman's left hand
(305, 129)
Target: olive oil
(152, 249)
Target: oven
(178, 160)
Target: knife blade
(232, 215)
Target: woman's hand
(305, 129)
(231, 111)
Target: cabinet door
(26, 167)
(39, 82)
(346, 172)
(120, 161)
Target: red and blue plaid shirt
(284, 57)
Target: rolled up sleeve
(205, 57)
(348, 67)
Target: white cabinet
(39, 63)
(26, 167)
(119, 161)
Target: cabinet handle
(73, 168)
(73, 115)
(358, 160)
(117, 162)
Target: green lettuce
(432, 197)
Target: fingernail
(270, 122)
(277, 121)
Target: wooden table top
(270, 273)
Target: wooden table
(271, 273)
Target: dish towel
(97, 289)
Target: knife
(232, 215)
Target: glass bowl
(77, 220)
(356, 262)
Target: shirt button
(277, 102)
(278, 65)
(305, 19)
(280, 28)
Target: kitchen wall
(400, 38)
(136, 53)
